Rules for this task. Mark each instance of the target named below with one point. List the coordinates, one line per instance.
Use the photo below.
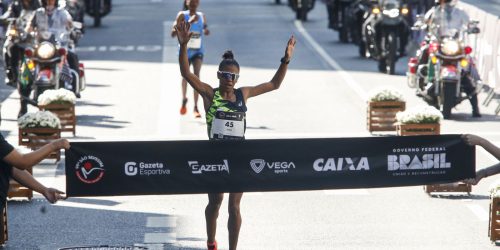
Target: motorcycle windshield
(449, 32)
(391, 4)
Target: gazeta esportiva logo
(89, 169)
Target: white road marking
(166, 238)
(328, 59)
(479, 212)
(121, 48)
(346, 192)
(162, 221)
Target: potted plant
(382, 108)
(61, 102)
(35, 130)
(421, 120)
(39, 128)
(494, 226)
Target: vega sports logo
(279, 167)
(89, 169)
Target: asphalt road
(133, 93)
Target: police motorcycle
(359, 11)
(97, 9)
(385, 34)
(16, 36)
(441, 81)
(301, 8)
(46, 61)
(341, 19)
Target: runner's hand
(290, 47)
(183, 34)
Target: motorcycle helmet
(30, 4)
(44, 3)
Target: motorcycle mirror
(474, 30)
(77, 25)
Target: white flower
(40, 119)
(386, 94)
(420, 114)
(56, 95)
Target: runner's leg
(211, 214)
(197, 62)
(234, 222)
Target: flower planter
(65, 113)
(35, 138)
(381, 116)
(450, 187)
(494, 224)
(18, 190)
(418, 129)
(4, 234)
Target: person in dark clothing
(22, 11)
(13, 165)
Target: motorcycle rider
(442, 19)
(23, 11)
(54, 19)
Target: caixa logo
(89, 169)
(200, 168)
(341, 164)
(279, 167)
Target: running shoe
(196, 112)
(212, 246)
(183, 107)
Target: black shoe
(476, 114)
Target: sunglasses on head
(228, 75)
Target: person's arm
(276, 81)
(26, 179)
(24, 161)
(206, 31)
(487, 145)
(183, 35)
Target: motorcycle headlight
(46, 50)
(392, 13)
(450, 47)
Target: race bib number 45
(228, 125)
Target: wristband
(285, 60)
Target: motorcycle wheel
(343, 35)
(97, 13)
(362, 49)
(382, 67)
(391, 56)
(450, 90)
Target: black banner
(185, 167)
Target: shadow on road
(102, 121)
